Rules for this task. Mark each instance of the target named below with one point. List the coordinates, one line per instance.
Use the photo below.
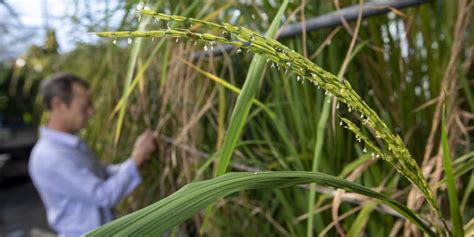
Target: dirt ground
(21, 210)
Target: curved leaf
(186, 202)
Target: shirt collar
(60, 137)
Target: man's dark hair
(60, 84)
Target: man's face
(77, 113)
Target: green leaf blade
(186, 202)
(456, 219)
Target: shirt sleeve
(75, 180)
(133, 169)
(112, 169)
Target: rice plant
(396, 153)
(393, 150)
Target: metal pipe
(331, 19)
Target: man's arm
(70, 178)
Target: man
(79, 193)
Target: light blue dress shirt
(78, 192)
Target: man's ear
(57, 104)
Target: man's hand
(144, 146)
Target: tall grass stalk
(244, 101)
(456, 217)
(122, 102)
(322, 124)
(316, 158)
(137, 45)
(361, 220)
(243, 105)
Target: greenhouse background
(306, 155)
